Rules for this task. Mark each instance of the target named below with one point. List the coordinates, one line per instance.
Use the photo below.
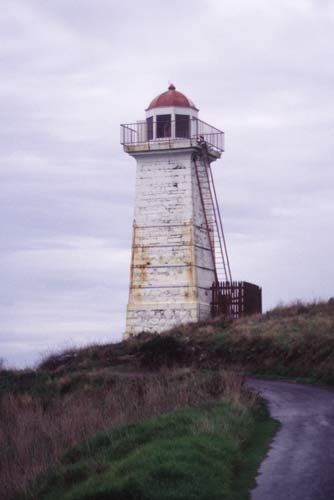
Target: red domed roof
(171, 97)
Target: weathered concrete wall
(171, 268)
(202, 250)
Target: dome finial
(171, 87)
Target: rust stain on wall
(141, 275)
(186, 234)
(141, 259)
(189, 294)
(134, 234)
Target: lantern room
(171, 122)
(169, 115)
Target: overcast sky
(72, 71)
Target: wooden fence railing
(235, 299)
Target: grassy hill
(182, 390)
(295, 341)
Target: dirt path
(300, 463)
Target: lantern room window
(182, 126)
(164, 126)
(149, 124)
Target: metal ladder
(212, 216)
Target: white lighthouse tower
(178, 246)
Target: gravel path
(300, 462)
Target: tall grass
(295, 341)
(290, 341)
(209, 452)
(34, 432)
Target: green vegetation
(288, 342)
(209, 452)
(72, 395)
(295, 341)
(37, 427)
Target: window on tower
(164, 123)
(149, 124)
(182, 126)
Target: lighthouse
(178, 244)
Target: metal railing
(172, 130)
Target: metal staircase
(212, 215)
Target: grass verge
(37, 426)
(204, 453)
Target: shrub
(162, 351)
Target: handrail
(176, 130)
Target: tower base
(156, 318)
